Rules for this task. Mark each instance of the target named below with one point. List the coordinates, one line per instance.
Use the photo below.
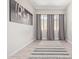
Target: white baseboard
(69, 41)
(20, 48)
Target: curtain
(38, 27)
(50, 27)
(61, 27)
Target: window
(44, 26)
(56, 26)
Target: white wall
(69, 23)
(19, 35)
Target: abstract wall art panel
(19, 14)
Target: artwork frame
(19, 14)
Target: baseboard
(20, 48)
(69, 41)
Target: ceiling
(49, 3)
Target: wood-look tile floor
(26, 51)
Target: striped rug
(56, 51)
